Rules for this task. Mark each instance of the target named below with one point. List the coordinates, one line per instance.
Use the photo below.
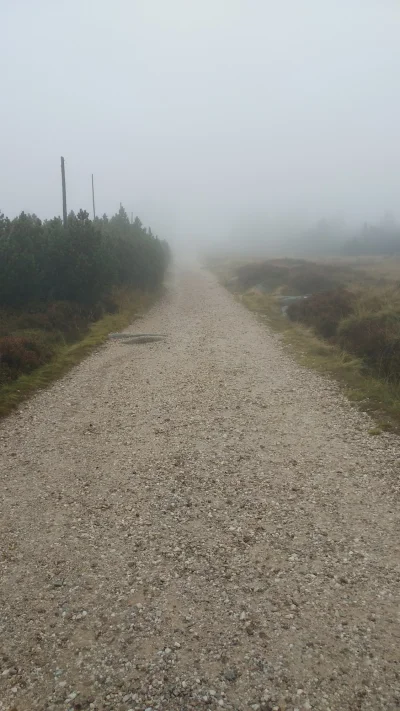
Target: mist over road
(197, 522)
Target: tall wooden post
(64, 192)
(94, 206)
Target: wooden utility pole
(94, 206)
(64, 192)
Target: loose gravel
(198, 523)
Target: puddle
(131, 338)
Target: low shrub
(265, 273)
(70, 318)
(323, 312)
(378, 299)
(23, 353)
(42, 339)
(33, 319)
(295, 276)
(374, 337)
(314, 278)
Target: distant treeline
(383, 238)
(41, 261)
(329, 237)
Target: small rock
(230, 674)
(250, 627)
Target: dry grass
(376, 395)
(377, 269)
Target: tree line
(332, 237)
(381, 238)
(41, 261)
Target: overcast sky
(199, 114)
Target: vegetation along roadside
(63, 290)
(341, 318)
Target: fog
(204, 117)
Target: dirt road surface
(198, 523)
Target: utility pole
(64, 192)
(94, 207)
(131, 218)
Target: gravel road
(198, 523)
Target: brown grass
(370, 388)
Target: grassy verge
(66, 356)
(371, 394)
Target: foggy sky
(200, 114)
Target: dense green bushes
(54, 282)
(42, 261)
